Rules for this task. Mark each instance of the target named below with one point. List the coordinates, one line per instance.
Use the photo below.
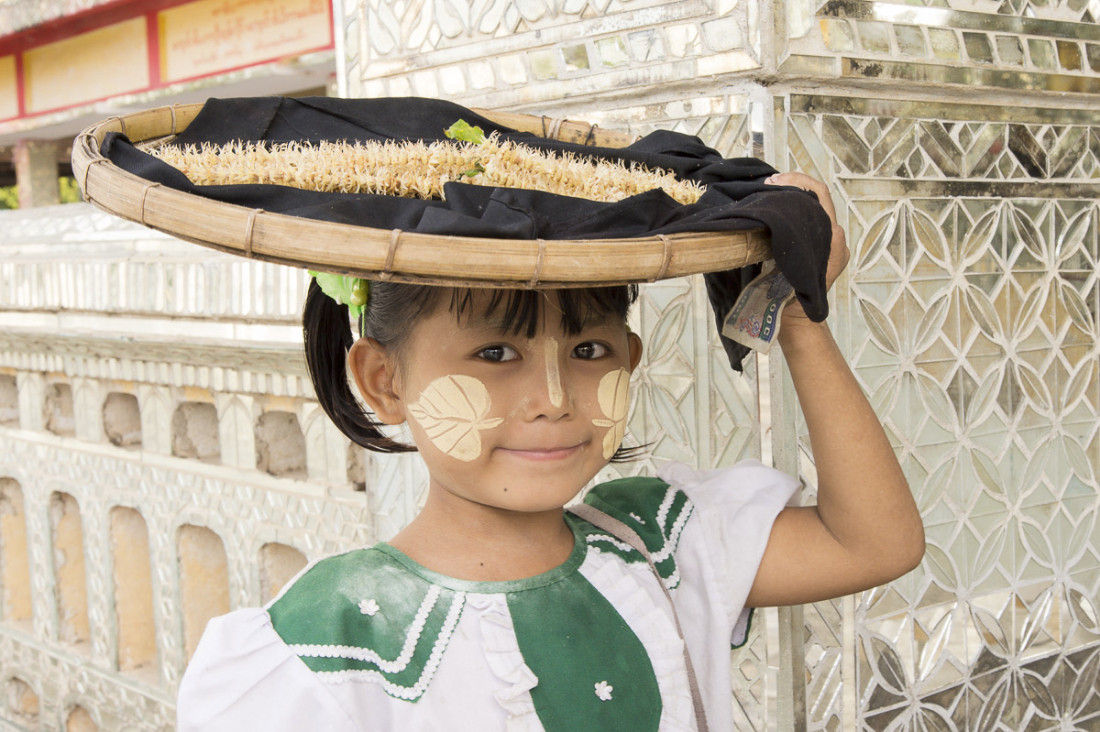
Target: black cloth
(736, 197)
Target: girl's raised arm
(865, 529)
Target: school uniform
(370, 640)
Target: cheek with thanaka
(614, 397)
(453, 411)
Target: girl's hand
(838, 253)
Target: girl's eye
(591, 350)
(498, 354)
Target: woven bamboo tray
(397, 255)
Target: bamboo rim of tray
(397, 255)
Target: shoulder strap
(624, 533)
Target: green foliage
(351, 291)
(463, 131)
(70, 192)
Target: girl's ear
(635, 350)
(373, 370)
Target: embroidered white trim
(666, 506)
(637, 518)
(621, 545)
(415, 691)
(671, 542)
(603, 691)
(368, 607)
(673, 539)
(366, 654)
(673, 580)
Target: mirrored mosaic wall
(962, 142)
(971, 317)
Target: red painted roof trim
(86, 20)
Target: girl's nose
(549, 388)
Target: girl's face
(508, 421)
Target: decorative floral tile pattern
(971, 314)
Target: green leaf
(465, 132)
(351, 291)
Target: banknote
(753, 320)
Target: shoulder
(747, 483)
(364, 616)
(344, 575)
(735, 505)
(650, 506)
(654, 509)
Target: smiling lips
(544, 454)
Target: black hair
(389, 318)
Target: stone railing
(162, 461)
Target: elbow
(904, 551)
(908, 552)
(915, 550)
(894, 556)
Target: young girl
(494, 609)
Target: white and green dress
(370, 640)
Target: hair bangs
(521, 312)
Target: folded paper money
(754, 319)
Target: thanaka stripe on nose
(553, 375)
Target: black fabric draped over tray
(736, 197)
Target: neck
(472, 541)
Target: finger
(799, 180)
(806, 183)
(785, 179)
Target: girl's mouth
(544, 454)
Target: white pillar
(32, 400)
(326, 446)
(237, 429)
(156, 405)
(88, 396)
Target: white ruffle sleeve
(718, 558)
(244, 677)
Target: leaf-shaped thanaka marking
(613, 395)
(452, 411)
